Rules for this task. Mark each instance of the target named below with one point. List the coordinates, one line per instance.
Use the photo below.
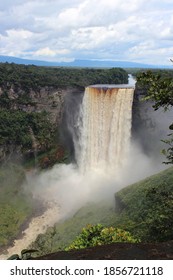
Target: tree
(159, 88)
(25, 255)
(95, 235)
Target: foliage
(55, 155)
(169, 152)
(15, 204)
(159, 88)
(94, 235)
(34, 77)
(146, 207)
(21, 85)
(16, 126)
(63, 233)
(25, 255)
(19, 129)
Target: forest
(142, 211)
(34, 77)
(18, 83)
(29, 138)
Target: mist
(95, 174)
(70, 188)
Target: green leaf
(14, 257)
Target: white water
(105, 128)
(105, 162)
(131, 80)
(38, 225)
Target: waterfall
(105, 127)
(34, 144)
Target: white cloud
(167, 33)
(113, 29)
(151, 50)
(14, 42)
(49, 52)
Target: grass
(63, 233)
(15, 205)
(144, 209)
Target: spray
(106, 159)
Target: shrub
(94, 235)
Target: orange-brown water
(106, 127)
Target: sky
(64, 30)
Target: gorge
(106, 157)
(101, 138)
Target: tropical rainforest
(29, 138)
(18, 84)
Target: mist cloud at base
(70, 189)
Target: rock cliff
(117, 251)
(47, 99)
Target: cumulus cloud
(87, 29)
(48, 52)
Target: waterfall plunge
(104, 127)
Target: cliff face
(117, 251)
(45, 99)
(61, 103)
(49, 99)
(31, 89)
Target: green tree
(94, 235)
(25, 255)
(159, 88)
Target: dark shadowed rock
(117, 251)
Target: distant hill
(80, 63)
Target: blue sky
(64, 30)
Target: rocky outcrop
(47, 99)
(53, 100)
(117, 251)
(145, 124)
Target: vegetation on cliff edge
(21, 121)
(27, 77)
(144, 209)
(158, 86)
(15, 203)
